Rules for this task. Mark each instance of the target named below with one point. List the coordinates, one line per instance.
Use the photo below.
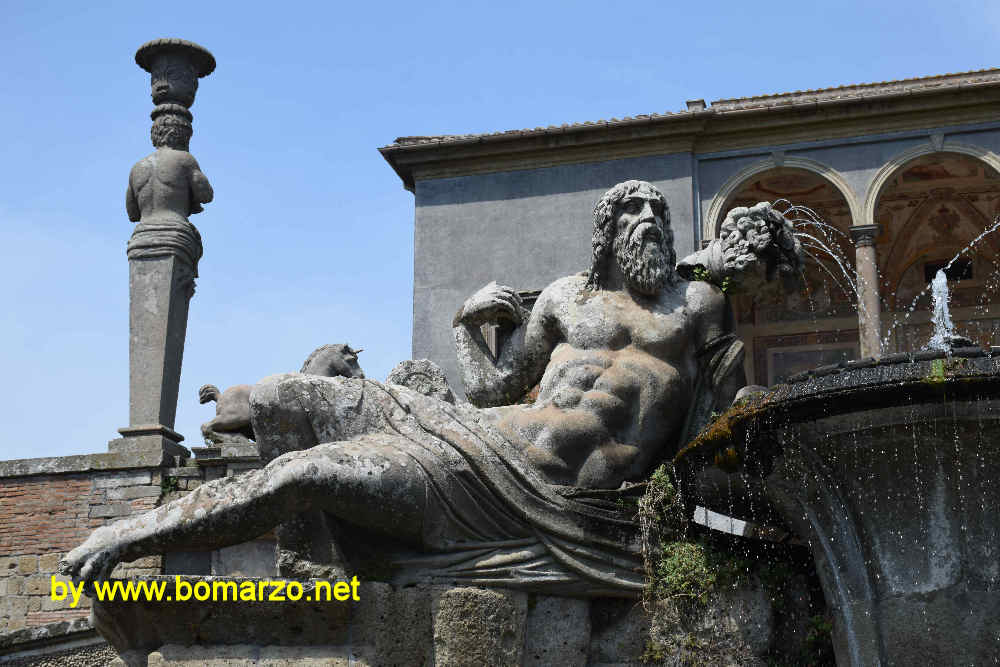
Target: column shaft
(869, 305)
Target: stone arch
(900, 255)
(710, 225)
(816, 325)
(890, 168)
(930, 201)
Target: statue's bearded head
(632, 223)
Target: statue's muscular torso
(166, 184)
(619, 380)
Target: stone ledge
(81, 463)
(49, 634)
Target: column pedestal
(163, 258)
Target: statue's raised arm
(524, 343)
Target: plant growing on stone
(683, 575)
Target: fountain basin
(888, 470)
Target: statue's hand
(493, 304)
(95, 558)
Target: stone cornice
(790, 120)
(545, 148)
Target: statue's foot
(95, 558)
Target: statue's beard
(644, 259)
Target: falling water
(944, 328)
(883, 343)
(821, 240)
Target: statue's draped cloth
(166, 235)
(492, 519)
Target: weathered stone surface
(251, 559)
(424, 376)
(404, 634)
(557, 632)
(619, 631)
(742, 618)
(265, 656)
(27, 564)
(123, 479)
(48, 604)
(48, 562)
(37, 584)
(87, 655)
(15, 607)
(475, 626)
(133, 492)
(188, 562)
(15, 585)
(110, 510)
(160, 288)
(40, 645)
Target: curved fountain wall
(889, 469)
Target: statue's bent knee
(292, 477)
(279, 422)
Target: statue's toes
(68, 567)
(86, 571)
(97, 566)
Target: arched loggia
(819, 325)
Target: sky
(310, 237)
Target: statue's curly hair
(171, 131)
(760, 233)
(602, 243)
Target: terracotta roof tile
(757, 102)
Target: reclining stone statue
(630, 357)
(232, 409)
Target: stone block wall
(43, 516)
(428, 625)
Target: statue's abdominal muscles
(601, 415)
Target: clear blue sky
(309, 239)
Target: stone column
(869, 306)
(164, 189)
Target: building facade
(904, 173)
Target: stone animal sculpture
(232, 410)
(630, 359)
(232, 413)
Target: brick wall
(42, 517)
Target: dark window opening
(960, 269)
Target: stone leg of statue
(364, 483)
